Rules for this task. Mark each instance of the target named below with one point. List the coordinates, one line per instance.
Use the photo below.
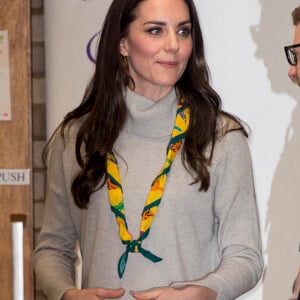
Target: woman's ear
(123, 47)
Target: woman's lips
(169, 64)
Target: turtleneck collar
(148, 118)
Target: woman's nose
(172, 43)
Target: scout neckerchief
(115, 191)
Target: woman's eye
(184, 31)
(154, 30)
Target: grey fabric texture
(207, 238)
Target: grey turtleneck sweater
(204, 238)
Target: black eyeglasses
(291, 54)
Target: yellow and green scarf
(115, 191)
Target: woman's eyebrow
(165, 23)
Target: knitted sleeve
(54, 255)
(239, 243)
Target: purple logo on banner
(92, 46)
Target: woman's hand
(190, 292)
(92, 294)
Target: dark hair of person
(102, 112)
(296, 15)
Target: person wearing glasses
(293, 53)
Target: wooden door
(16, 144)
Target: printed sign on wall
(5, 100)
(14, 177)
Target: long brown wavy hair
(102, 112)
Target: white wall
(245, 42)
(244, 48)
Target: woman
(198, 237)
